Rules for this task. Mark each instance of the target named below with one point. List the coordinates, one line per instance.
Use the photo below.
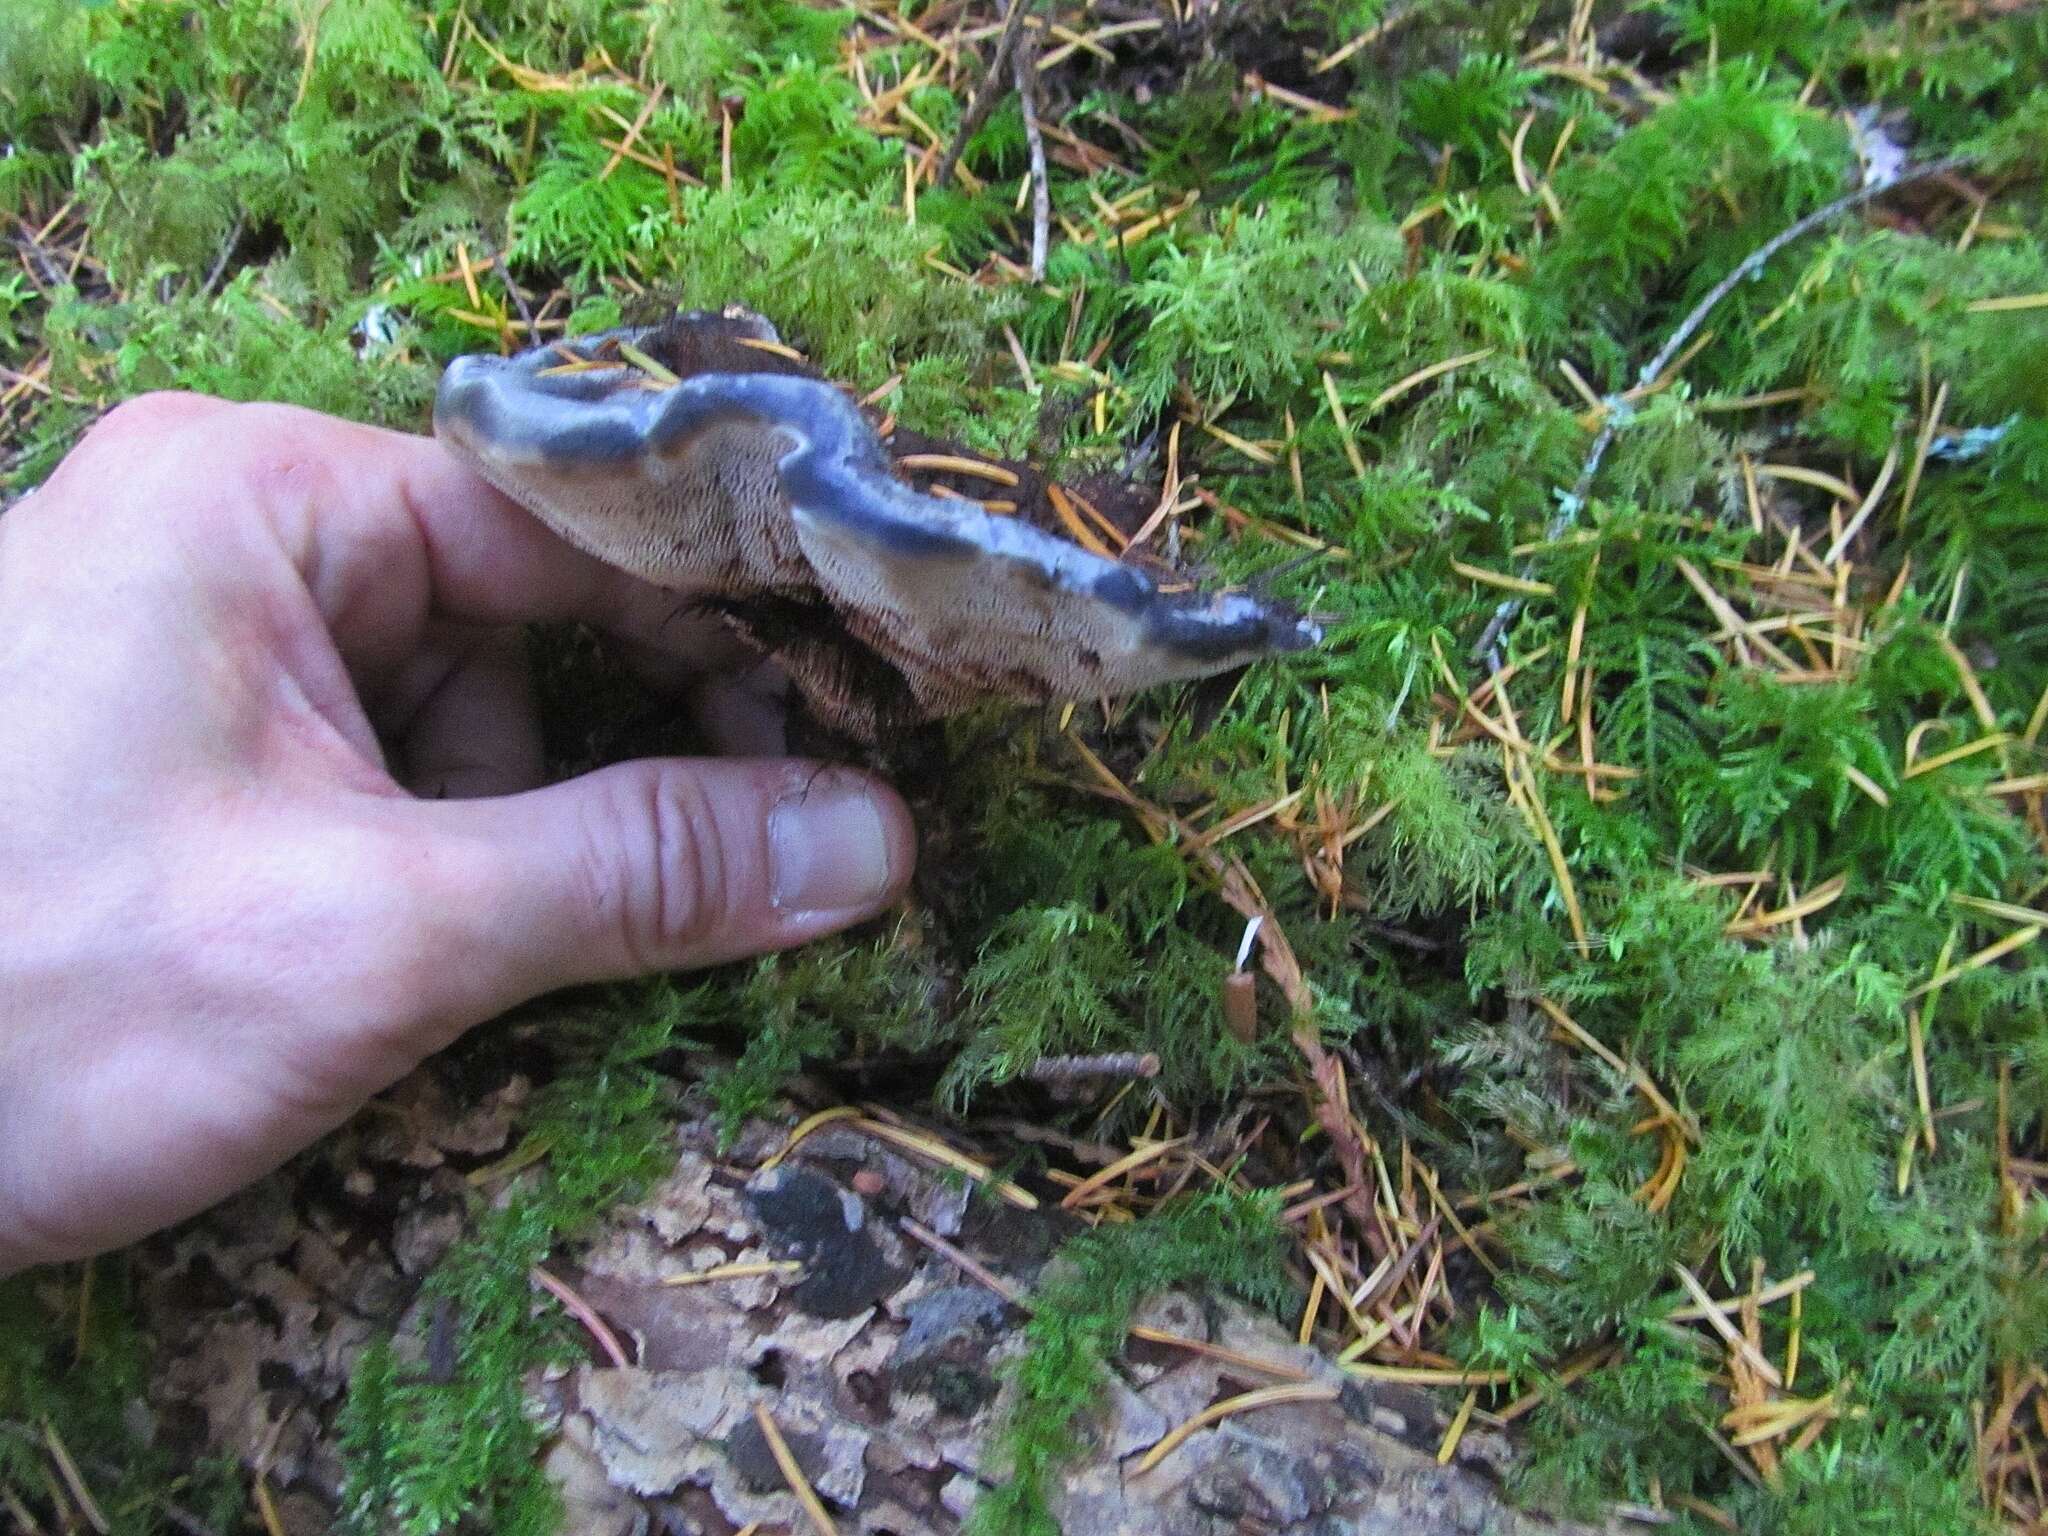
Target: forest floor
(1600, 986)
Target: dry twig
(1024, 71)
(986, 95)
(1618, 407)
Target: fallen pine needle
(1311, 1309)
(524, 1156)
(2007, 303)
(1645, 1085)
(967, 1263)
(2012, 912)
(1063, 507)
(23, 1520)
(1869, 505)
(1592, 1359)
(647, 365)
(1923, 1098)
(1525, 796)
(1218, 1352)
(777, 348)
(1709, 1512)
(1820, 896)
(792, 1473)
(1723, 610)
(2019, 784)
(1116, 1170)
(1263, 1397)
(1981, 958)
(1436, 1196)
(743, 1269)
(1506, 583)
(954, 463)
(1757, 1422)
(1819, 479)
(584, 1313)
(68, 1469)
(1456, 1432)
(1428, 1375)
(939, 1152)
(1695, 1313)
(1792, 1338)
(1247, 818)
(1256, 452)
(909, 1141)
(266, 1506)
(1956, 754)
(1365, 39)
(804, 1128)
(1343, 422)
(1866, 783)
(1717, 1319)
(575, 365)
(1422, 376)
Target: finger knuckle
(288, 457)
(277, 456)
(660, 867)
(126, 436)
(149, 415)
(397, 918)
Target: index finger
(385, 528)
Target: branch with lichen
(1620, 408)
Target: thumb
(665, 864)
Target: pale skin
(271, 818)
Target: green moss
(256, 191)
(840, 273)
(44, 81)
(1471, 110)
(423, 1453)
(1241, 310)
(1696, 186)
(810, 1006)
(236, 346)
(693, 45)
(74, 1364)
(1081, 1309)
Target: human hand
(225, 918)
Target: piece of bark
(888, 1383)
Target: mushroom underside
(703, 456)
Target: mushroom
(702, 455)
